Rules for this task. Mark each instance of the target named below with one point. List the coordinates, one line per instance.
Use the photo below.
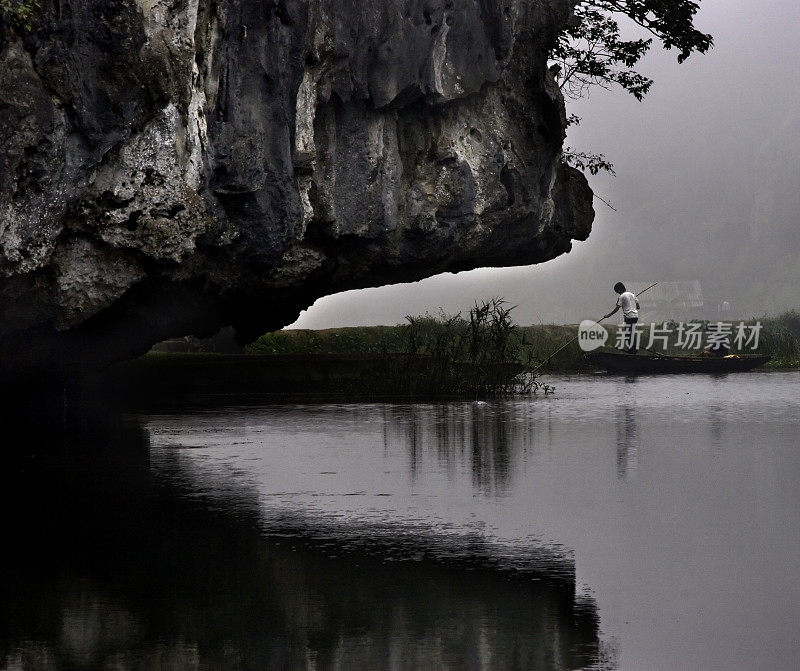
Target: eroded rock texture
(171, 166)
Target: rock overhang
(170, 168)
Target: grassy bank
(779, 337)
(481, 355)
(375, 341)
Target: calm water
(647, 523)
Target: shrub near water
(483, 354)
(780, 338)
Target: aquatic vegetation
(483, 354)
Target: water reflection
(627, 441)
(482, 437)
(717, 420)
(126, 557)
(415, 536)
(490, 452)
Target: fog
(707, 188)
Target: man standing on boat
(630, 311)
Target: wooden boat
(622, 362)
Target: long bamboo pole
(597, 321)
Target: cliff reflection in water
(118, 557)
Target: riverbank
(778, 337)
(428, 359)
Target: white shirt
(627, 301)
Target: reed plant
(482, 354)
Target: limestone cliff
(171, 166)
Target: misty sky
(707, 188)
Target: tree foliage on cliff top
(591, 51)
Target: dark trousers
(630, 339)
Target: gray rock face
(170, 167)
